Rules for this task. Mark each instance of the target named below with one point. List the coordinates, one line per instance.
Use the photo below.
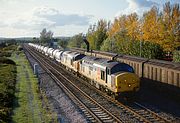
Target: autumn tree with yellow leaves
(171, 25)
(152, 35)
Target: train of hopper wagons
(115, 78)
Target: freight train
(117, 79)
(164, 74)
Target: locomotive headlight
(129, 85)
(125, 80)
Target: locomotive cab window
(102, 75)
(122, 67)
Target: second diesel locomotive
(115, 78)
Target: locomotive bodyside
(109, 76)
(68, 59)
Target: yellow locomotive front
(124, 82)
(127, 82)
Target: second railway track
(106, 110)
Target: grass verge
(28, 106)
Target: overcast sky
(27, 18)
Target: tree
(76, 41)
(171, 25)
(132, 26)
(109, 45)
(35, 40)
(97, 34)
(46, 37)
(117, 26)
(150, 26)
(63, 43)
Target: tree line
(151, 36)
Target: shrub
(5, 54)
(176, 56)
(11, 47)
(7, 61)
(7, 88)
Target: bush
(7, 89)
(109, 45)
(176, 56)
(5, 54)
(10, 48)
(19, 48)
(7, 61)
(151, 50)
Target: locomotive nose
(128, 82)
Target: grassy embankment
(20, 100)
(28, 106)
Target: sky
(27, 18)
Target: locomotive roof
(100, 61)
(74, 55)
(111, 64)
(94, 59)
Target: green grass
(28, 106)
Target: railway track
(93, 110)
(150, 115)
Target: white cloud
(43, 17)
(138, 6)
(69, 30)
(140, 3)
(61, 19)
(36, 19)
(32, 24)
(3, 24)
